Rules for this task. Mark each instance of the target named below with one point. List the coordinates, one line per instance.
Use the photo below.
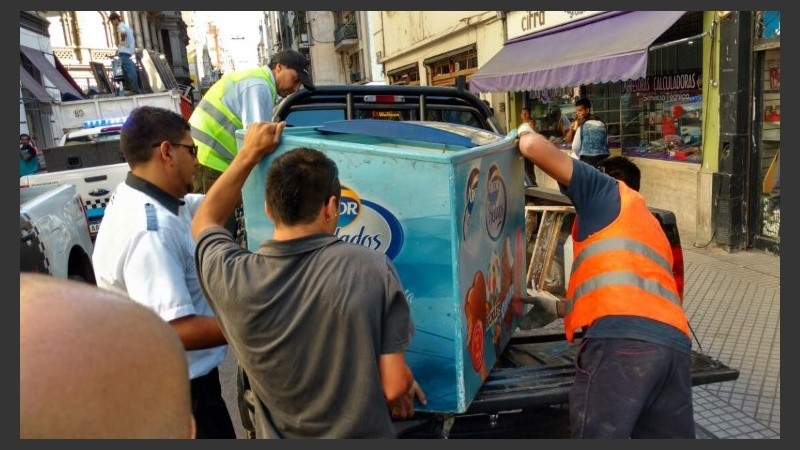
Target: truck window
(312, 117)
(459, 116)
(99, 137)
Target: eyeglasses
(192, 148)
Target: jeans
(627, 388)
(130, 75)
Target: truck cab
(100, 133)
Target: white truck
(88, 155)
(77, 114)
(54, 233)
(94, 185)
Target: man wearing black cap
(236, 100)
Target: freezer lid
(420, 131)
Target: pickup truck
(532, 377)
(75, 115)
(94, 185)
(54, 233)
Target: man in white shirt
(144, 249)
(126, 49)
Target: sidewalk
(733, 305)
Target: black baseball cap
(295, 60)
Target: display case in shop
(770, 143)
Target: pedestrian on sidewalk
(587, 134)
(28, 156)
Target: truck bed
(526, 394)
(536, 370)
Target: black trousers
(209, 409)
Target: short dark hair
(622, 169)
(145, 126)
(114, 15)
(585, 102)
(299, 183)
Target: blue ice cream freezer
(446, 203)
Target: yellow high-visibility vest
(214, 125)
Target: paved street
(733, 304)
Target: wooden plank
(549, 220)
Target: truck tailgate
(536, 370)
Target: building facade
(438, 48)
(60, 50)
(81, 37)
(340, 44)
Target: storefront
(767, 128)
(644, 72)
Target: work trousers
(130, 75)
(209, 409)
(627, 388)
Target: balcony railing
(73, 56)
(345, 32)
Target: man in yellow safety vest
(236, 100)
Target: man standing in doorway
(125, 50)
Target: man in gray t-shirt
(318, 325)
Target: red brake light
(384, 99)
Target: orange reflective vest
(625, 269)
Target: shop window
(654, 117)
(770, 119)
(552, 110)
(405, 77)
(445, 71)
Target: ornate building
(81, 37)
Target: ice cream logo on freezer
(471, 192)
(495, 203)
(369, 224)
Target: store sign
(674, 87)
(520, 23)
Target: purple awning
(49, 71)
(611, 49)
(34, 86)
